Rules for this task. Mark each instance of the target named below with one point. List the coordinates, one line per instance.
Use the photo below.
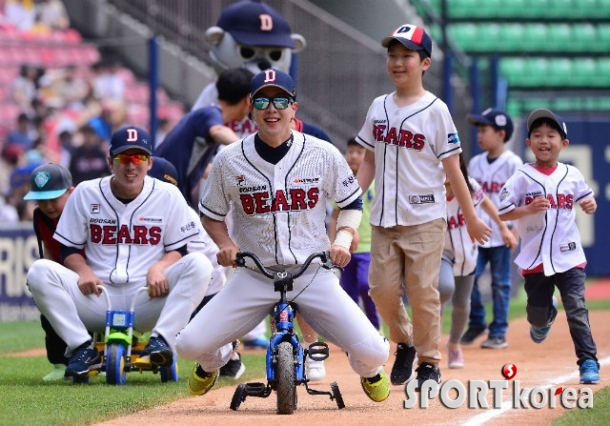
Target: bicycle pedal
(318, 351)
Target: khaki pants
(409, 255)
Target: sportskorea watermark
(454, 394)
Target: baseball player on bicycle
(134, 230)
(275, 184)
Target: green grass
(598, 416)
(27, 400)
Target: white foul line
(481, 419)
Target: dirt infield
(551, 363)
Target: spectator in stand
(24, 88)
(12, 156)
(112, 117)
(107, 84)
(71, 89)
(51, 15)
(66, 141)
(21, 14)
(89, 160)
(23, 135)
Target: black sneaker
(427, 371)
(471, 335)
(233, 369)
(402, 370)
(84, 359)
(158, 352)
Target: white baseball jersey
(409, 144)
(279, 210)
(123, 241)
(492, 177)
(203, 243)
(459, 249)
(550, 238)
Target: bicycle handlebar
(324, 256)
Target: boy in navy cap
(491, 170)
(50, 187)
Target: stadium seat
(585, 38)
(585, 73)
(513, 69)
(465, 36)
(560, 9)
(602, 38)
(559, 38)
(536, 35)
(559, 73)
(511, 37)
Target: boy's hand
(588, 205)
(540, 204)
(479, 232)
(509, 238)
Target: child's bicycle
(285, 356)
(120, 350)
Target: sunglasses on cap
(136, 159)
(278, 103)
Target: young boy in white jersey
(491, 169)
(459, 260)
(412, 146)
(541, 198)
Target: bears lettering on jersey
(262, 202)
(402, 138)
(492, 187)
(454, 222)
(112, 235)
(564, 201)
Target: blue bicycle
(285, 355)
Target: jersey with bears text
(122, 241)
(279, 210)
(492, 177)
(409, 144)
(549, 237)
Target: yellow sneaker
(379, 390)
(201, 382)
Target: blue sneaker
(159, 353)
(258, 343)
(84, 359)
(589, 372)
(538, 335)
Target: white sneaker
(314, 370)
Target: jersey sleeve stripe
(210, 213)
(449, 153)
(588, 194)
(66, 242)
(350, 198)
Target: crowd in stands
(60, 109)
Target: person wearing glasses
(134, 231)
(274, 185)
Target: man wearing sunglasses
(274, 185)
(134, 231)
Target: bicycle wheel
(115, 365)
(239, 396)
(285, 374)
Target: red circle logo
(509, 371)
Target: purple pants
(355, 282)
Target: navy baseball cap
(164, 170)
(253, 23)
(273, 78)
(546, 113)
(48, 182)
(497, 118)
(412, 37)
(130, 137)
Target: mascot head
(253, 35)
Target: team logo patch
(421, 199)
(95, 208)
(567, 247)
(307, 180)
(41, 179)
(241, 180)
(504, 194)
(453, 138)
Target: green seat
(586, 38)
(585, 73)
(602, 9)
(561, 9)
(511, 37)
(586, 9)
(537, 34)
(603, 37)
(559, 38)
(603, 71)
(513, 69)
(538, 8)
(514, 9)
(465, 36)
(462, 8)
(537, 70)
(560, 73)
(489, 37)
